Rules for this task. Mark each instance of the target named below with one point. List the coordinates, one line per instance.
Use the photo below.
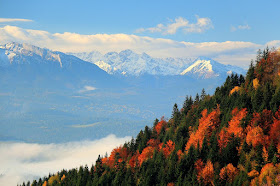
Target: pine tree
(176, 115)
(257, 100)
(203, 94)
(275, 101)
(197, 98)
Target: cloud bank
(171, 28)
(24, 161)
(232, 52)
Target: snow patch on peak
(104, 66)
(229, 72)
(202, 67)
(25, 49)
(16, 53)
(54, 57)
(10, 55)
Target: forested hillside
(229, 138)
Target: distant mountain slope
(45, 93)
(24, 54)
(29, 62)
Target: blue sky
(181, 21)
(92, 17)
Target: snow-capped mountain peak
(15, 51)
(202, 67)
(205, 68)
(135, 64)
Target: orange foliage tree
(234, 124)
(268, 175)
(253, 174)
(198, 165)
(153, 142)
(255, 136)
(207, 174)
(228, 173)
(159, 125)
(207, 123)
(255, 120)
(171, 184)
(274, 132)
(169, 147)
(118, 154)
(134, 159)
(266, 120)
(268, 66)
(265, 154)
(234, 127)
(146, 154)
(223, 138)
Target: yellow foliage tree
(45, 183)
(256, 83)
(269, 174)
(235, 89)
(63, 177)
(52, 179)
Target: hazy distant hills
(49, 96)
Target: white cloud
(171, 28)
(275, 43)
(86, 125)
(178, 23)
(156, 47)
(202, 25)
(87, 88)
(240, 27)
(27, 161)
(4, 20)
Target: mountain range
(49, 96)
(129, 63)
